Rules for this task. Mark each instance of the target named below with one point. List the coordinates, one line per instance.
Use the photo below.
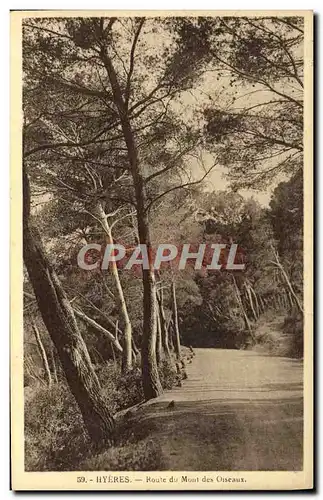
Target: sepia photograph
(162, 306)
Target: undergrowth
(55, 437)
(281, 335)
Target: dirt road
(237, 410)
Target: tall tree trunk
(251, 302)
(175, 321)
(150, 378)
(127, 344)
(244, 314)
(159, 346)
(170, 336)
(60, 322)
(163, 325)
(42, 352)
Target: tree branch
(174, 188)
(132, 59)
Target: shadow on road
(229, 435)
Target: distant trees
(231, 303)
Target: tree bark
(60, 322)
(150, 378)
(175, 321)
(42, 352)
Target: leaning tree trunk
(99, 328)
(253, 293)
(127, 344)
(42, 352)
(244, 314)
(175, 323)
(288, 282)
(60, 322)
(150, 377)
(251, 304)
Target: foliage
(286, 215)
(168, 376)
(258, 139)
(281, 335)
(55, 437)
(294, 328)
(120, 391)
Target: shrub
(294, 330)
(167, 374)
(55, 438)
(281, 336)
(121, 390)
